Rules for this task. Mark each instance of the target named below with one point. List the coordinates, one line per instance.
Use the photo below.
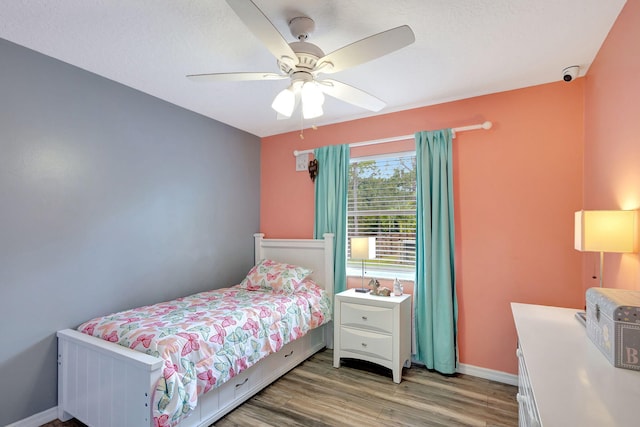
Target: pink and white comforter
(207, 338)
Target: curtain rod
(486, 125)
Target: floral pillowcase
(275, 276)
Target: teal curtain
(435, 304)
(331, 205)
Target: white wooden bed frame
(104, 384)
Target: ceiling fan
(303, 62)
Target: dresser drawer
(528, 411)
(367, 317)
(367, 343)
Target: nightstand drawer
(367, 317)
(364, 342)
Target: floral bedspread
(207, 338)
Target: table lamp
(363, 248)
(605, 231)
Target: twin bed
(190, 361)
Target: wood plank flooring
(363, 394)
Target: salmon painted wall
(516, 188)
(612, 139)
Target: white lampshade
(312, 93)
(285, 102)
(312, 100)
(606, 231)
(363, 248)
(310, 111)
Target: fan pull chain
(314, 127)
(301, 125)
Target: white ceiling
(463, 48)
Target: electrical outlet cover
(302, 162)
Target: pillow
(274, 276)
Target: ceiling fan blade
(263, 29)
(235, 77)
(350, 94)
(366, 49)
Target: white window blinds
(382, 204)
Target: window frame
(354, 268)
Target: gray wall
(109, 199)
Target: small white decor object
(397, 287)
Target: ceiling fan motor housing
(307, 54)
(301, 27)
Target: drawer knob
(364, 317)
(364, 344)
(290, 353)
(242, 383)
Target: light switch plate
(302, 162)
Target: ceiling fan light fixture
(284, 102)
(312, 94)
(302, 62)
(312, 100)
(311, 111)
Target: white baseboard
(38, 419)
(488, 374)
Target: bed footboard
(106, 385)
(102, 384)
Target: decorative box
(613, 325)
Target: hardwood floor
(363, 394)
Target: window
(382, 204)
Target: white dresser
(373, 328)
(564, 380)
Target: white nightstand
(373, 328)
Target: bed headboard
(316, 254)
